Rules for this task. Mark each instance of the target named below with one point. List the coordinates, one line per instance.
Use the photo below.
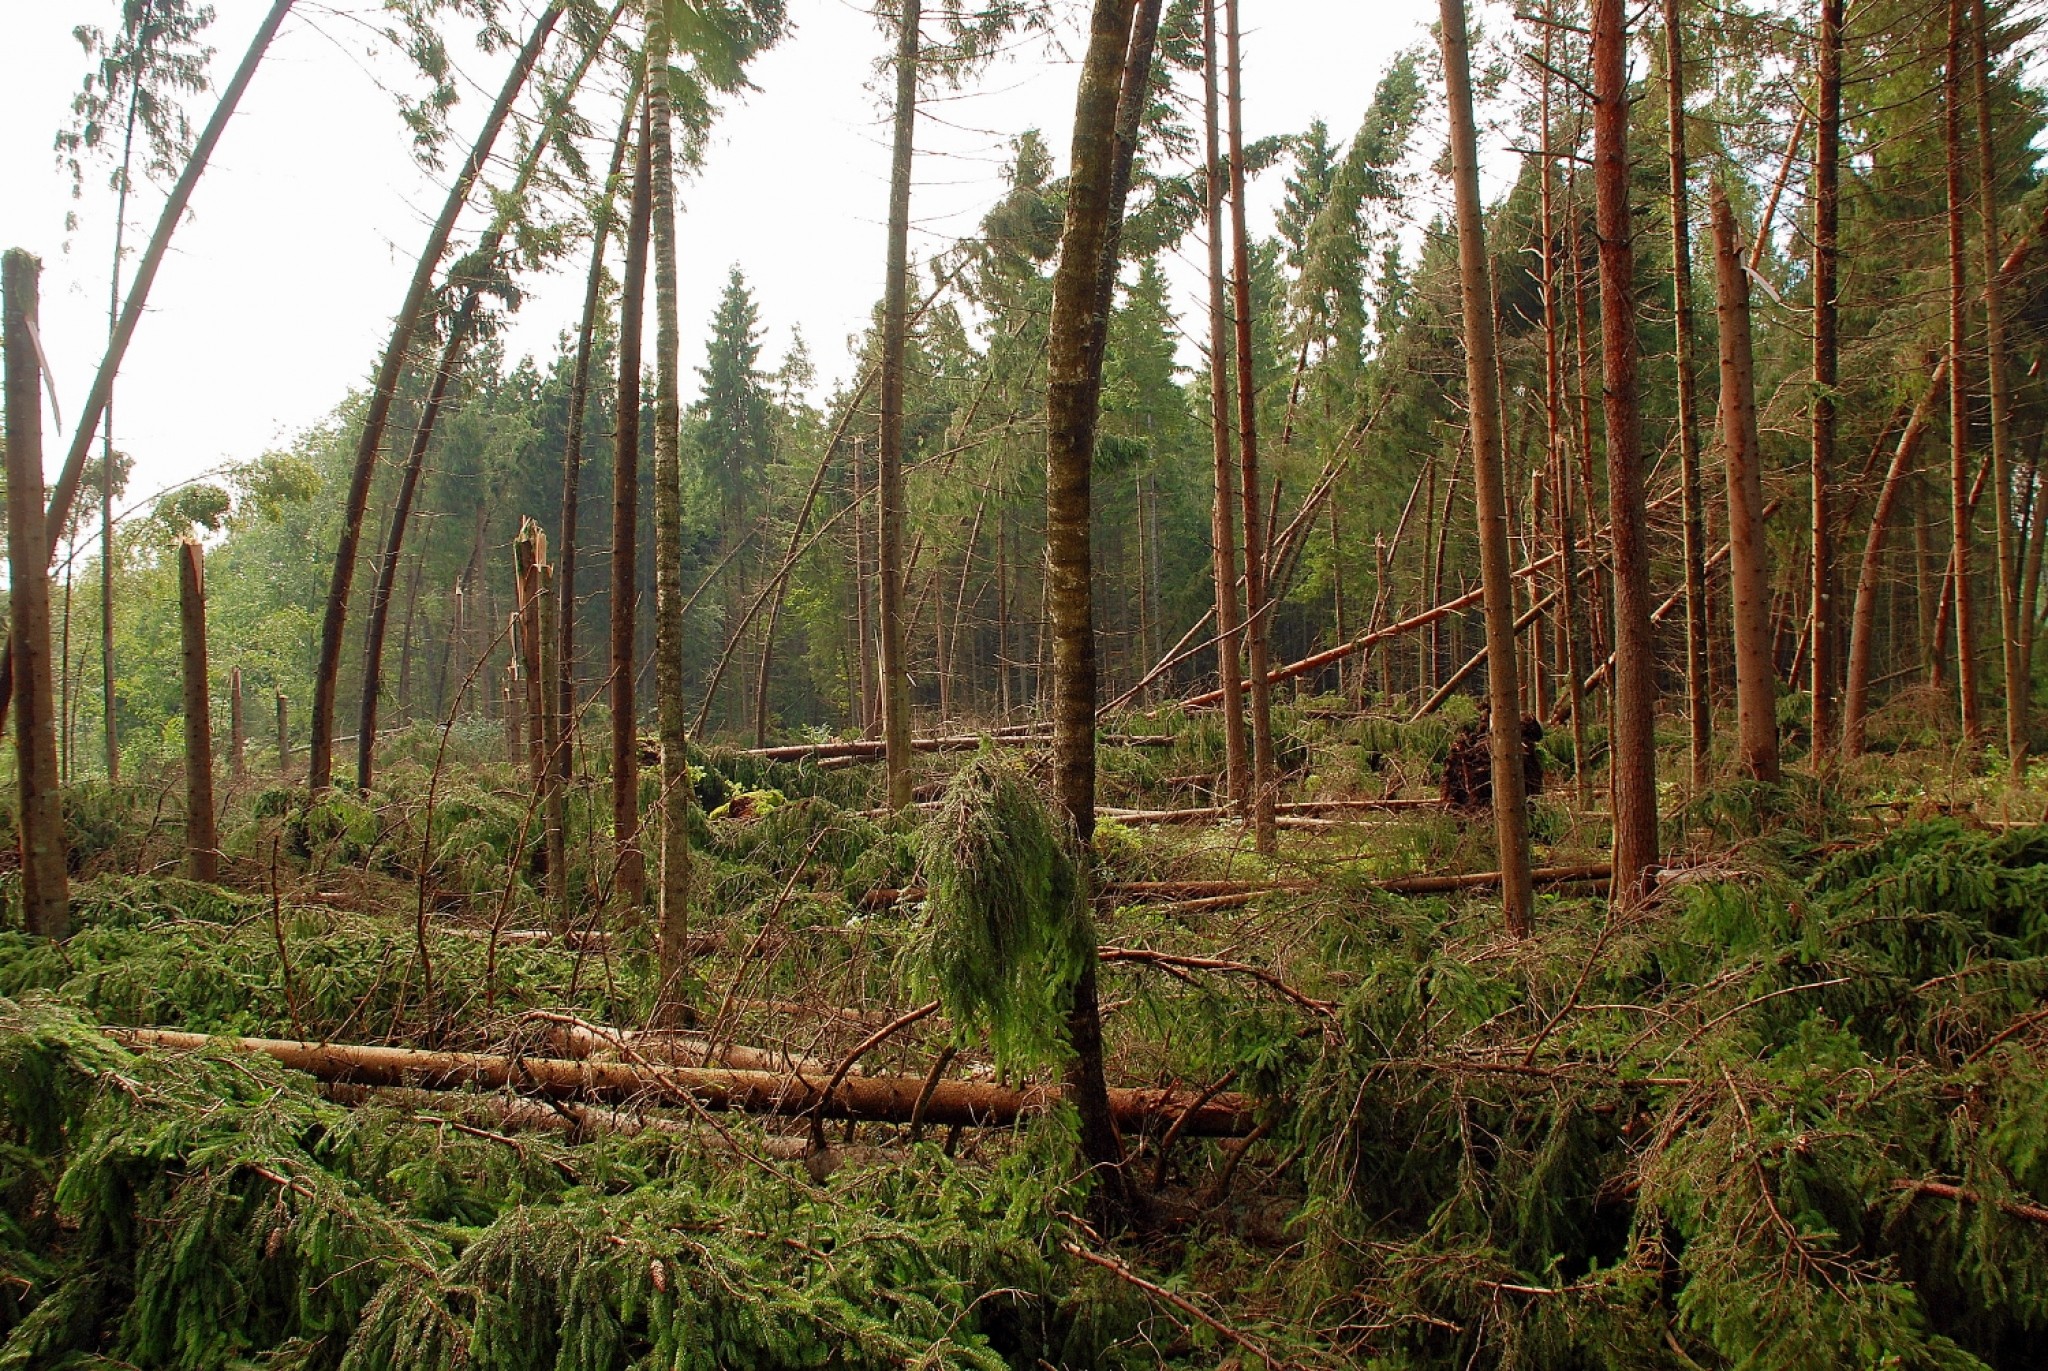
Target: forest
(1450, 784)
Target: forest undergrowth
(1791, 1113)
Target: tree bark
(671, 996)
(1958, 387)
(1826, 218)
(1748, 573)
(202, 842)
(1223, 514)
(2018, 675)
(173, 213)
(632, 865)
(1698, 683)
(889, 466)
(238, 738)
(39, 817)
(284, 736)
(411, 311)
(1634, 750)
(1258, 612)
(1489, 481)
(1863, 616)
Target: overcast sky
(279, 289)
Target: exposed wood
(202, 842)
(630, 877)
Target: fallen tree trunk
(1175, 891)
(882, 1099)
(868, 749)
(1202, 814)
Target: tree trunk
(672, 993)
(1489, 481)
(1698, 683)
(284, 735)
(110, 714)
(1748, 573)
(1958, 388)
(2018, 675)
(202, 843)
(173, 213)
(238, 738)
(411, 312)
(553, 747)
(1223, 515)
(1826, 217)
(529, 554)
(632, 866)
(889, 467)
(1258, 613)
(1634, 750)
(1863, 617)
(39, 817)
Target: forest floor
(1791, 1113)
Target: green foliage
(1009, 930)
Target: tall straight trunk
(1863, 615)
(1489, 482)
(1827, 151)
(529, 554)
(1597, 616)
(98, 398)
(1258, 614)
(111, 723)
(572, 448)
(863, 700)
(1748, 573)
(406, 639)
(411, 313)
(889, 467)
(1076, 333)
(202, 843)
(1634, 750)
(632, 866)
(674, 903)
(1698, 683)
(238, 738)
(284, 734)
(39, 804)
(553, 747)
(1923, 584)
(2030, 572)
(2018, 677)
(1223, 514)
(1958, 387)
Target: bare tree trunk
(529, 554)
(889, 466)
(1958, 388)
(284, 734)
(39, 818)
(238, 738)
(1863, 618)
(1258, 613)
(1634, 751)
(1223, 516)
(110, 714)
(1698, 683)
(553, 749)
(1826, 217)
(2019, 681)
(411, 311)
(173, 213)
(406, 707)
(1748, 573)
(2030, 573)
(1510, 809)
(863, 627)
(202, 843)
(632, 866)
(674, 904)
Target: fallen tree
(866, 749)
(879, 1099)
(1176, 891)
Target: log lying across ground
(880, 1099)
(866, 749)
(1243, 891)
(1203, 814)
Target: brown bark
(631, 875)
(885, 1099)
(1863, 616)
(1958, 386)
(39, 817)
(202, 842)
(1698, 685)
(411, 313)
(895, 669)
(529, 553)
(1748, 573)
(1633, 767)
(2019, 682)
(1489, 482)
(1223, 517)
(1827, 151)
(1258, 612)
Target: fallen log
(881, 1099)
(1202, 814)
(1178, 892)
(871, 749)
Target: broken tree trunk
(45, 891)
(882, 1099)
(202, 845)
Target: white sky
(277, 294)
